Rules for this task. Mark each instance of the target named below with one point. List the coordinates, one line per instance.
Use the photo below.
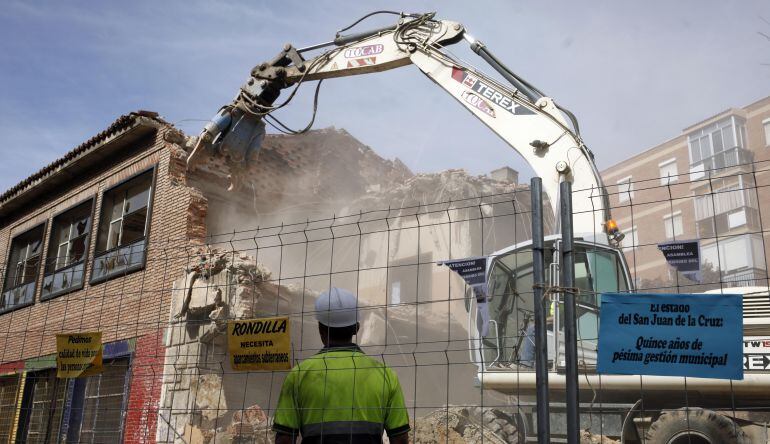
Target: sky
(635, 73)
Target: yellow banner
(78, 354)
(259, 344)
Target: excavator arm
(521, 115)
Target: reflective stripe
(342, 428)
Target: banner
(698, 335)
(684, 256)
(259, 344)
(474, 272)
(78, 354)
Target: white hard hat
(337, 308)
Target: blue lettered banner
(696, 335)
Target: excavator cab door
(509, 341)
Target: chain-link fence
(163, 306)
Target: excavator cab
(509, 342)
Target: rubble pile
(431, 188)
(587, 437)
(460, 425)
(293, 178)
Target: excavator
(633, 409)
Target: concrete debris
(293, 178)
(587, 437)
(203, 281)
(209, 399)
(430, 188)
(249, 424)
(456, 425)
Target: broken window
(65, 265)
(23, 265)
(42, 407)
(121, 245)
(97, 405)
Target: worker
(340, 395)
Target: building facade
(76, 237)
(707, 183)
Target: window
(22, 268)
(735, 253)
(625, 189)
(42, 407)
(97, 405)
(9, 386)
(719, 145)
(511, 303)
(725, 199)
(766, 126)
(631, 241)
(668, 172)
(120, 246)
(673, 225)
(65, 264)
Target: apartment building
(707, 183)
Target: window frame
(44, 226)
(628, 195)
(79, 395)
(10, 409)
(94, 280)
(666, 180)
(766, 131)
(25, 415)
(669, 218)
(86, 255)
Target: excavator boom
(519, 113)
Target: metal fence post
(570, 325)
(541, 333)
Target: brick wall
(144, 395)
(125, 307)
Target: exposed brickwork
(146, 380)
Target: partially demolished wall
(320, 210)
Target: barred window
(98, 402)
(9, 387)
(41, 416)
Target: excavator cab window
(510, 337)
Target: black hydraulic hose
(520, 84)
(341, 40)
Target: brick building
(76, 239)
(708, 183)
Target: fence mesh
(162, 306)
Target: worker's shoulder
(361, 359)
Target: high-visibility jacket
(341, 395)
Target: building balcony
(752, 277)
(719, 164)
(739, 219)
